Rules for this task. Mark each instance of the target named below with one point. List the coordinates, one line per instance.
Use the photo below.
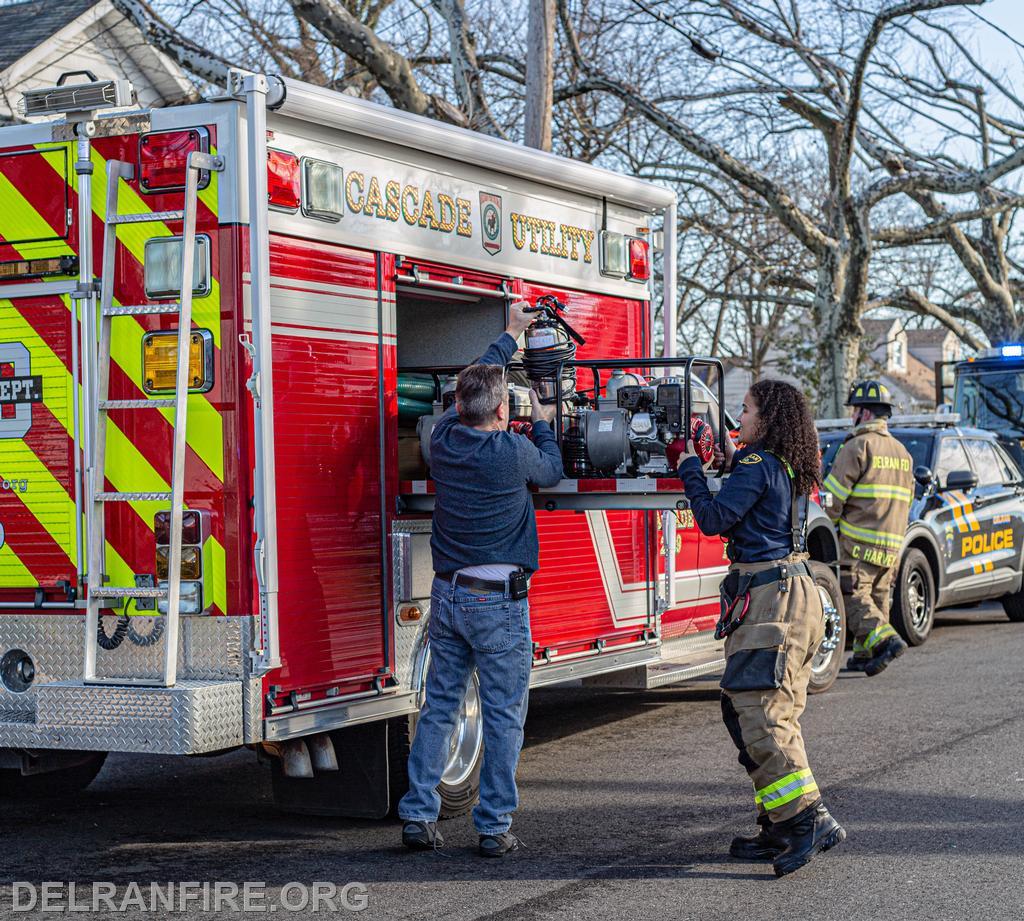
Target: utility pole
(540, 52)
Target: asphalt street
(629, 801)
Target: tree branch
(192, 57)
(916, 302)
(389, 68)
(903, 235)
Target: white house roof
(44, 38)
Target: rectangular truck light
(322, 190)
(160, 361)
(162, 267)
(163, 159)
(191, 563)
(191, 600)
(614, 257)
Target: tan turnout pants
(866, 591)
(764, 688)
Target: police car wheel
(1014, 606)
(829, 658)
(913, 604)
(52, 784)
(460, 783)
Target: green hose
(416, 387)
(411, 410)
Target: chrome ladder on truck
(98, 406)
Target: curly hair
(787, 430)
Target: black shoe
(498, 845)
(857, 663)
(891, 649)
(805, 835)
(422, 836)
(765, 845)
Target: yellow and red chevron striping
(139, 443)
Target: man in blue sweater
(484, 546)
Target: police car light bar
(77, 97)
(920, 419)
(1012, 351)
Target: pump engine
(629, 431)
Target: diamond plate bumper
(190, 718)
(215, 705)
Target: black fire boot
(422, 836)
(891, 649)
(498, 845)
(806, 834)
(765, 845)
(857, 663)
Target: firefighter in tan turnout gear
(772, 617)
(872, 487)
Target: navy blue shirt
(753, 508)
(483, 512)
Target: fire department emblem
(19, 389)
(490, 222)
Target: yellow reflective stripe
(208, 196)
(21, 220)
(204, 432)
(205, 310)
(782, 797)
(876, 491)
(785, 789)
(869, 535)
(961, 522)
(836, 488)
(881, 632)
(216, 581)
(57, 507)
(13, 573)
(126, 468)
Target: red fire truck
(221, 326)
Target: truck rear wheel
(829, 658)
(913, 604)
(460, 783)
(52, 784)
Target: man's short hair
(879, 410)
(479, 392)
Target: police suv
(966, 530)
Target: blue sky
(1008, 15)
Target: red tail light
(283, 189)
(639, 259)
(163, 158)
(191, 528)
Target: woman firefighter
(772, 618)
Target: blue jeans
(491, 632)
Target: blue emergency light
(1013, 351)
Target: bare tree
(767, 85)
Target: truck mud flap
(357, 790)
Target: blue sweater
(753, 508)
(483, 512)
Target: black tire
(913, 603)
(456, 798)
(829, 658)
(52, 784)
(1014, 606)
